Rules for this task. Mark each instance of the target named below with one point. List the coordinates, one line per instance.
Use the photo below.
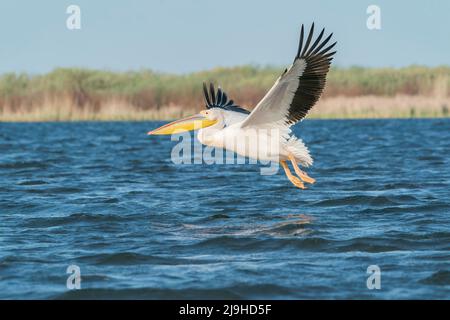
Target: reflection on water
(289, 225)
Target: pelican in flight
(289, 100)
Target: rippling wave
(109, 200)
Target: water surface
(107, 198)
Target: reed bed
(82, 94)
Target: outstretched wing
(298, 88)
(220, 100)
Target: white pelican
(288, 101)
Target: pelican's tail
(298, 149)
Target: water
(106, 197)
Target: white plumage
(264, 143)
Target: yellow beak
(187, 124)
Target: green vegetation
(81, 94)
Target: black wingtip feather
(206, 95)
(307, 49)
(308, 41)
(213, 95)
(316, 42)
(224, 98)
(219, 100)
(300, 44)
(324, 51)
(322, 44)
(219, 95)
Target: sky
(192, 35)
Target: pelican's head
(204, 119)
(213, 114)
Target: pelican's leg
(299, 172)
(295, 181)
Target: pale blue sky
(192, 35)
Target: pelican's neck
(206, 135)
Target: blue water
(107, 198)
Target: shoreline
(332, 108)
